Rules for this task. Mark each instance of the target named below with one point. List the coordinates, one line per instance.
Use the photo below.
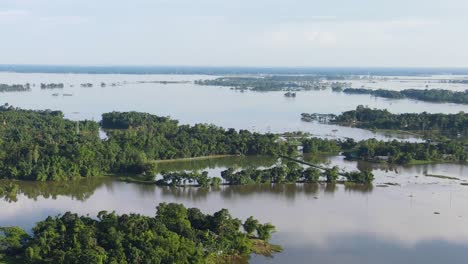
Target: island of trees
(275, 82)
(366, 117)
(428, 95)
(395, 151)
(175, 235)
(451, 125)
(52, 86)
(15, 87)
(405, 152)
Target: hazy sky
(235, 33)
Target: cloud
(13, 16)
(64, 20)
(334, 32)
(298, 36)
(411, 22)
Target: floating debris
(442, 177)
(392, 184)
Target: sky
(271, 33)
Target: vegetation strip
(432, 95)
(43, 145)
(175, 235)
(451, 125)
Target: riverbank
(258, 247)
(196, 158)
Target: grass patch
(350, 184)
(420, 162)
(261, 247)
(231, 259)
(194, 158)
(133, 178)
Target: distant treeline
(455, 81)
(273, 83)
(232, 70)
(364, 117)
(432, 95)
(52, 86)
(174, 235)
(15, 87)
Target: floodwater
(189, 103)
(393, 221)
(399, 83)
(317, 223)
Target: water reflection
(314, 220)
(384, 171)
(358, 249)
(323, 223)
(80, 190)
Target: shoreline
(197, 158)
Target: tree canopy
(175, 235)
(428, 95)
(364, 117)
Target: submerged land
(60, 160)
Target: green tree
(332, 174)
(265, 231)
(250, 225)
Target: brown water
(317, 223)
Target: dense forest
(42, 145)
(274, 82)
(428, 95)
(140, 137)
(363, 117)
(175, 235)
(389, 151)
(404, 152)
